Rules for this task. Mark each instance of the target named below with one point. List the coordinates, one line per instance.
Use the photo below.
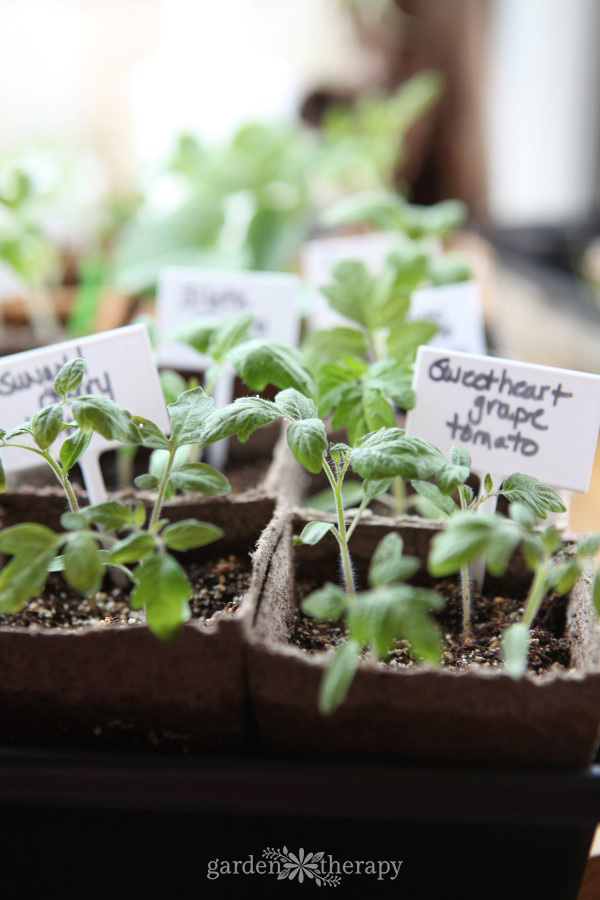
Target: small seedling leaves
(23, 428)
(525, 489)
(70, 377)
(163, 589)
(172, 385)
(376, 413)
(189, 533)
(197, 333)
(294, 405)
(110, 515)
(146, 482)
(388, 565)
(563, 576)
(488, 483)
(450, 268)
(515, 649)
(382, 616)
(394, 380)
(588, 545)
(522, 514)
(46, 425)
(551, 539)
(27, 539)
(242, 418)
(459, 456)
(107, 418)
(261, 362)
(229, 334)
(307, 440)
(312, 533)
(188, 415)
(468, 494)
(150, 434)
(465, 537)
(200, 478)
(73, 521)
(73, 448)
(450, 476)
(82, 563)
(432, 493)
(532, 549)
(389, 452)
(132, 549)
(338, 677)
(328, 603)
(501, 546)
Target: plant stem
(160, 499)
(63, 478)
(336, 486)
(465, 586)
(399, 494)
(535, 596)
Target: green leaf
(588, 545)
(388, 565)
(373, 489)
(394, 380)
(389, 452)
(328, 346)
(146, 482)
(242, 418)
(200, 478)
(432, 493)
(107, 418)
(449, 477)
(70, 377)
(459, 456)
(450, 268)
(515, 649)
(150, 434)
(23, 428)
(532, 549)
(352, 494)
(27, 539)
(261, 362)
(229, 334)
(74, 521)
(596, 593)
(308, 442)
(189, 533)
(377, 413)
(312, 533)
(2, 478)
(73, 448)
(382, 616)
(163, 589)
(294, 405)
(112, 515)
(522, 515)
(22, 578)
(563, 576)
(338, 677)
(188, 415)
(465, 537)
(525, 489)
(488, 484)
(501, 546)
(329, 603)
(172, 385)
(46, 425)
(551, 539)
(404, 342)
(132, 548)
(351, 292)
(82, 564)
(197, 333)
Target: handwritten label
(510, 416)
(187, 293)
(120, 366)
(456, 310)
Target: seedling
(89, 545)
(376, 619)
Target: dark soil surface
(491, 614)
(246, 476)
(219, 586)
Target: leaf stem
(63, 478)
(535, 596)
(336, 486)
(465, 585)
(160, 499)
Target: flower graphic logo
(300, 865)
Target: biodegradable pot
(120, 685)
(418, 714)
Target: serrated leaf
(313, 532)
(163, 589)
(388, 565)
(200, 478)
(308, 442)
(295, 406)
(338, 677)
(150, 434)
(432, 493)
(104, 416)
(449, 477)
(131, 549)
(242, 418)
(389, 452)
(394, 380)
(261, 362)
(82, 564)
(188, 415)
(327, 603)
(515, 649)
(351, 291)
(46, 425)
(189, 533)
(403, 343)
(73, 448)
(525, 489)
(146, 482)
(459, 456)
(27, 539)
(70, 377)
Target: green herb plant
(111, 534)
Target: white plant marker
(456, 310)
(120, 366)
(510, 416)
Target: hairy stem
(63, 478)
(465, 586)
(160, 499)
(336, 486)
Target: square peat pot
(119, 685)
(477, 715)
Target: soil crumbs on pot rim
(219, 586)
(490, 614)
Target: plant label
(456, 310)
(187, 293)
(320, 256)
(510, 416)
(120, 366)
